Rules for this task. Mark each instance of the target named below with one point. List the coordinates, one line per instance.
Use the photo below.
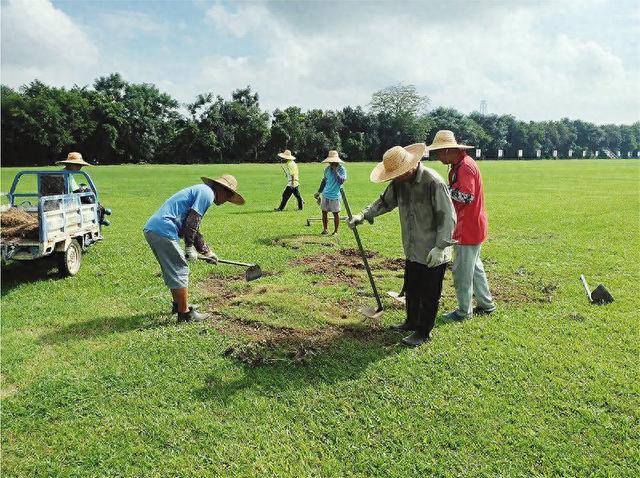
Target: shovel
(600, 294)
(369, 312)
(398, 296)
(253, 271)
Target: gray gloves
(438, 256)
(355, 221)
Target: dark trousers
(423, 287)
(286, 194)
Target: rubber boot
(416, 339)
(192, 316)
(404, 327)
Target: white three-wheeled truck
(68, 222)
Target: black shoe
(192, 316)
(403, 327)
(416, 339)
(481, 311)
(277, 209)
(174, 309)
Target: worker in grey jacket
(427, 221)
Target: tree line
(115, 121)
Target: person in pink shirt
(465, 184)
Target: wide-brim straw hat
(333, 157)
(228, 182)
(397, 161)
(74, 158)
(445, 139)
(286, 155)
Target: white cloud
(40, 41)
(511, 62)
(127, 24)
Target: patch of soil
(17, 223)
(269, 344)
(520, 288)
(394, 264)
(335, 267)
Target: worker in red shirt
(465, 184)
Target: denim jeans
(469, 279)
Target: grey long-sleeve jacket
(427, 216)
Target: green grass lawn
(98, 380)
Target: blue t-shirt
(167, 221)
(332, 185)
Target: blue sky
(533, 59)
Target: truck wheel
(69, 260)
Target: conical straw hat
(445, 139)
(74, 158)
(286, 155)
(397, 161)
(229, 183)
(333, 157)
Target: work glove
(317, 196)
(209, 257)
(436, 257)
(355, 221)
(190, 253)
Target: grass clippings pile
(17, 223)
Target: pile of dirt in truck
(16, 223)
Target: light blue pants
(470, 280)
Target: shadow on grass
(103, 326)
(345, 357)
(18, 273)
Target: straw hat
(286, 155)
(74, 158)
(397, 161)
(333, 157)
(445, 139)
(229, 183)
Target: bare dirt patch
(266, 344)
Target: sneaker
(481, 311)
(174, 308)
(192, 316)
(455, 315)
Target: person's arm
(387, 201)
(323, 183)
(463, 190)
(341, 174)
(191, 233)
(445, 216)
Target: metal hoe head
(253, 272)
(371, 313)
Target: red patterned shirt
(465, 183)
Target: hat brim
(333, 160)
(284, 156)
(81, 162)
(380, 174)
(435, 147)
(235, 197)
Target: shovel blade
(252, 273)
(601, 295)
(371, 313)
(397, 297)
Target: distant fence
(498, 154)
